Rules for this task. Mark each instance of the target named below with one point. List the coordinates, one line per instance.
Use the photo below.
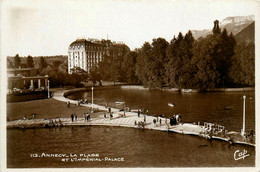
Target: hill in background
(232, 24)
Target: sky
(45, 28)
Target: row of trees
(215, 61)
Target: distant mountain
(232, 24)
(247, 34)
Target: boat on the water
(227, 108)
(171, 104)
(119, 102)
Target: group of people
(110, 114)
(175, 119)
(54, 123)
(86, 116)
(157, 120)
(80, 101)
(74, 117)
(140, 124)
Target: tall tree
(95, 76)
(129, 67)
(42, 63)
(111, 66)
(29, 62)
(9, 63)
(17, 61)
(242, 71)
(142, 63)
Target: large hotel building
(85, 54)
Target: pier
(129, 119)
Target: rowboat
(171, 104)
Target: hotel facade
(86, 54)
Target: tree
(150, 68)
(129, 67)
(56, 63)
(9, 63)
(242, 70)
(142, 63)
(42, 63)
(29, 62)
(95, 76)
(17, 61)
(174, 62)
(207, 75)
(111, 66)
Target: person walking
(144, 119)
(138, 113)
(88, 117)
(72, 117)
(68, 104)
(84, 115)
(154, 122)
(75, 117)
(105, 115)
(160, 122)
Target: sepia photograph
(129, 85)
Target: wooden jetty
(131, 119)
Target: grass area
(45, 108)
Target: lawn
(44, 108)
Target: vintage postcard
(129, 85)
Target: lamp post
(244, 115)
(92, 88)
(124, 109)
(48, 89)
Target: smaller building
(26, 78)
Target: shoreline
(190, 90)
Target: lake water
(140, 148)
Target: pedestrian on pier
(154, 122)
(165, 121)
(138, 112)
(72, 117)
(68, 104)
(160, 122)
(87, 116)
(135, 122)
(144, 119)
(60, 122)
(75, 116)
(111, 115)
(105, 115)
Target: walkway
(130, 119)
